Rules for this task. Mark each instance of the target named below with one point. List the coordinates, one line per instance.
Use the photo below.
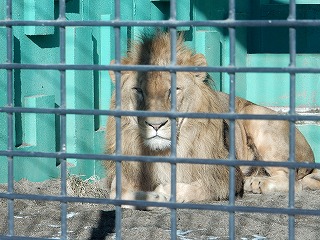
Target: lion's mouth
(158, 136)
(157, 142)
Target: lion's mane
(196, 138)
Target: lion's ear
(199, 60)
(111, 73)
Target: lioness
(262, 140)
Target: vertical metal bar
(173, 75)
(10, 119)
(117, 31)
(173, 136)
(63, 119)
(232, 63)
(292, 50)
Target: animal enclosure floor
(93, 221)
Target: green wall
(255, 47)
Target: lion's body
(196, 138)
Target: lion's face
(151, 91)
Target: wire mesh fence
(231, 24)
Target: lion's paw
(259, 185)
(268, 185)
(146, 196)
(311, 181)
(185, 192)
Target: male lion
(262, 140)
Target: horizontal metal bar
(14, 237)
(211, 207)
(169, 68)
(117, 158)
(166, 23)
(118, 113)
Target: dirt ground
(94, 221)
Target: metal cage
(230, 25)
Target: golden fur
(196, 138)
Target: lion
(256, 140)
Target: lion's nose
(156, 126)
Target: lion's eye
(138, 91)
(178, 90)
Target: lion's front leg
(186, 192)
(130, 192)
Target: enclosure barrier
(174, 23)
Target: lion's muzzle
(156, 133)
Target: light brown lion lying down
(262, 140)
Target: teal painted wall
(41, 88)
(255, 47)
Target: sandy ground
(94, 221)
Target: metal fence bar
(232, 154)
(292, 54)
(211, 207)
(165, 23)
(92, 157)
(226, 69)
(23, 238)
(231, 23)
(140, 203)
(10, 123)
(117, 33)
(63, 121)
(230, 116)
(173, 154)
